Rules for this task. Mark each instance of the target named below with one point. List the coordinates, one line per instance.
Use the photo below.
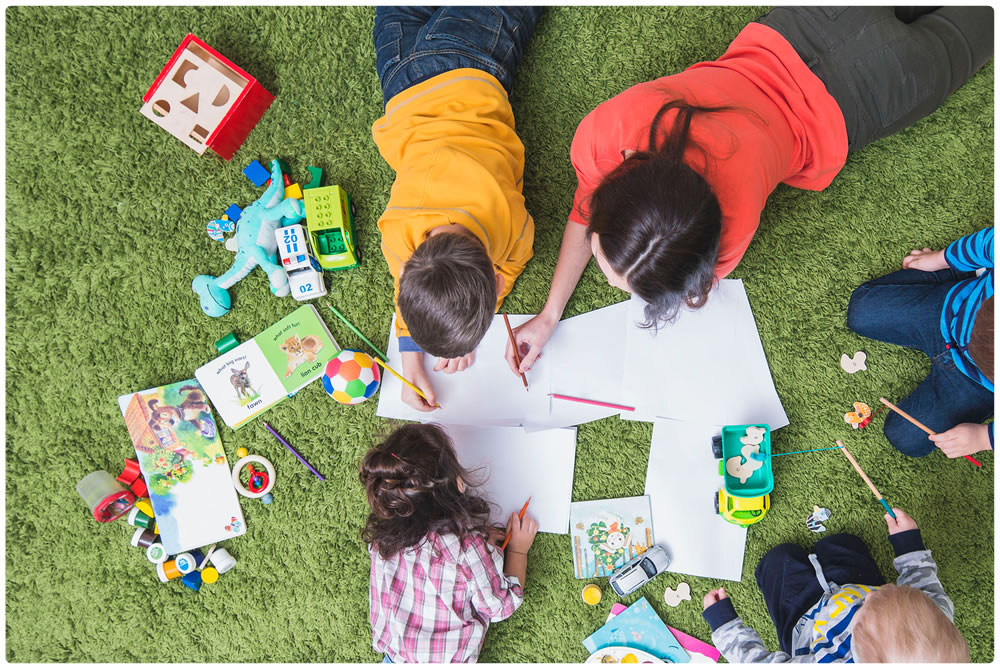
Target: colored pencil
(594, 402)
(294, 452)
(513, 344)
(520, 516)
(403, 379)
(867, 480)
(921, 425)
(357, 332)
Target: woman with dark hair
(674, 173)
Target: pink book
(687, 642)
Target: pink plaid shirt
(433, 602)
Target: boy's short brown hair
(902, 624)
(448, 294)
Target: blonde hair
(902, 624)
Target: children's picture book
(181, 458)
(638, 627)
(699, 651)
(607, 533)
(245, 381)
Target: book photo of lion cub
(300, 350)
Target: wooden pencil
(513, 343)
(921, 425)
(399, 376)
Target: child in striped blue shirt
(833, 605)
(940, 303)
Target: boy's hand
(963, 439)
(523, 532)
(713, 597)
(901, 523)
(413, 369)
(452, 365)
(531, 339)
(925, 260)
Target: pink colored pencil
(594, 402)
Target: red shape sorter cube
(205, 100)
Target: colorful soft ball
(351, 377)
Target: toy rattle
(260, 483)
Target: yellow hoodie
(458, 159)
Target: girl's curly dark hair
(411, 480)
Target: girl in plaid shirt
(438, 577)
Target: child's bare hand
(926, 260)
(713, 597)
(452, 365)
(901, 523)
(963, 439)
(413, 369)
(523, 532)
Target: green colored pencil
(355, 331)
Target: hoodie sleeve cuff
(907, 542)
(407, 345)
(719, 614)
(990, 433)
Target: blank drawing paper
(707, 366)
(682, 480)
(487, 393)
(515, 465)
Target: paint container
(209, 575)
(105, 496)
(139, 519)
(156, 553)
(188, 562)
(192, 580)
(222, 560)
(167, 571)
(143, 538)
(591, 594)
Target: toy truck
(330, 219)
(304, 280)
(748, 502)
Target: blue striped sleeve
(971, 252)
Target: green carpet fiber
(105, 229)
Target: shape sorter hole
(222, 97)
(191, 102)
(161, 108)
(186, 66)
(199, 134)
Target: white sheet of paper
(518, 465)
(681, 479)
(707, 366)
(587, 360)
(487, 393)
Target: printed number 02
(305, 288)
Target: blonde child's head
(902, 624)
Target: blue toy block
(257, 173)
(234, 212)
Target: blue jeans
(904, 308)
(413, 44)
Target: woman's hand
(531, 339)
(925, 260)
(963, 439)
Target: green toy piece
(317, 178)
(330, 220)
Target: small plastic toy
(853, 364)
(860, 417)
(815, 519)
(256, 246)
(242, 452)
(330, 219)
(216, 227)
(639, 570)
(744, 498)
(105, 496)
(260, 482)
(351, 377)
(295, 190)
(227, 343)
(674, 597)
(316, 180)
(233, 213)
(131, 476)
(304, 281)
(256, 173)
(205, 100)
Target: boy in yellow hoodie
(455, 233)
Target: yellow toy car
(742, 511)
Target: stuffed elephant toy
(256, 246)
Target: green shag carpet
(105, 229)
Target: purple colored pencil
(294, 452)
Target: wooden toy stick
(513, 344)
(921, 425)
(864, 476)
(403, 379)
(204, 560)
(357, 332)
(520, 516)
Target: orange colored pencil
(520, 516)
(513, 343)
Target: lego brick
(317, 178)
(295, 190)
(257, 173)
(234, 212)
